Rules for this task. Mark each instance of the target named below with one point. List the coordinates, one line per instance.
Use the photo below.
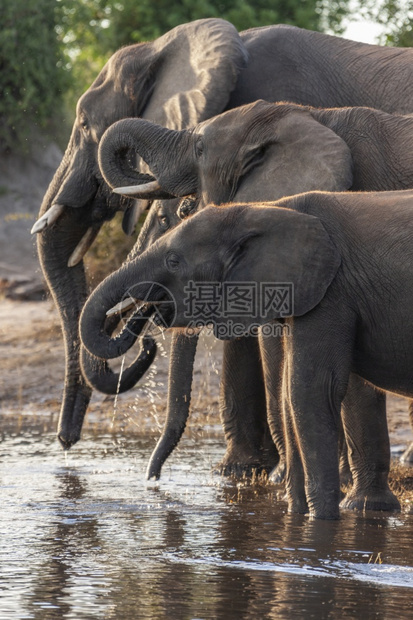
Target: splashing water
(115, 404)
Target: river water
(87, 537)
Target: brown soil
(31, 383)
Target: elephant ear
(289, 257)
(300, 155)
(194, 69)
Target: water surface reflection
(89, 538)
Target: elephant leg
(243, 410)
(294, 472)
(345, 471)
(314, 426)
(271, 348)
(407, 456)
(367, 437)
(318, 360)
(272, 359)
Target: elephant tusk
(82, 247)
(137, 190)
(49, 218)
(123, 305)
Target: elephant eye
(163, 220)
(199, 147)
(172, 262)
(84, 124)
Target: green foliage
(395, 16)
(399, 22)
(32, 76)
(133, 21)
(82, 30)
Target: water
(89, 538)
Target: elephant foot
(278, 473)
(407, 456)
(370, 500)
(297, 505)
(242, 470)
(246, 463)
(331, 513)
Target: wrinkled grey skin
(267, 151)
(282, 62)
(344, 253)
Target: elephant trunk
(101, 377)
(183, 349)
(69, 290)
(66, 229)
(155, 145)
(110, 293)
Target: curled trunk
(101, 377)
(103, 345)
(158, 147)
(110, 293)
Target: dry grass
(401, 483)
(110, 249)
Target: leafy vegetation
(32, 79)
(52, 50)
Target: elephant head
(181, 78)
(225, 247)
(260, 151)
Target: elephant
(345, 259)
(191, 73)
(259, 152)
(180, 78)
